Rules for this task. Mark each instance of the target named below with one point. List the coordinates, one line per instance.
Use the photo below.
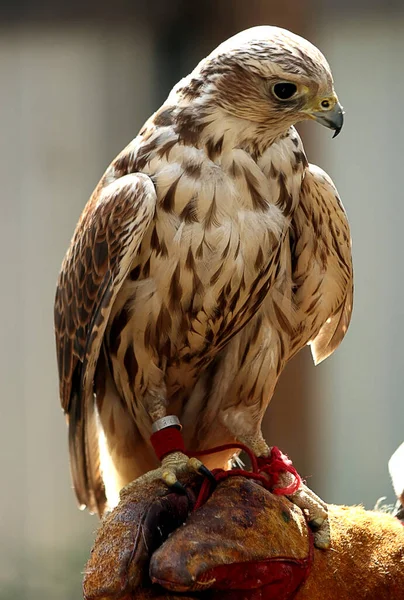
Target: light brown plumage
(208, 255)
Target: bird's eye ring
(284, 90)
(325, 104)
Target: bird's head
(268, 77)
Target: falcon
(209, 254)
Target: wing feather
(322, 261)
(104, 245)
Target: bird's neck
(212, 128)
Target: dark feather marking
(214, 149)
(215, 277)
(235, 170)
(225, 252)
(190, 261)
(70, 323)
(80, 273)
(194, 88)
(211, 215)
(163, 322)
(259, 261)
(190, 211)
(312, 306)
(146, 269)
(148, 335)
(166, 348)
(134, 274)
(154, 241)
(123, 164)
(164, 117)
(300, 159)
(338, 250)
(260, 296)
(164, 150)
(246, 349)
(111, 424)
(234, 300)
(163, 249)
(143, 155)
(273, 172)
(259, 203)
(285, 199)
(131, 366)
(118, 324)
(168, 200)
(184, 324)
(88, 257)
(283, 321)
(199, 250)
(99, 380)
(189, 127)
(175, 291)
(193, 170)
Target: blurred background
(77, 81)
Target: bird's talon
(178, 488)
(205, 472)
(197, 466)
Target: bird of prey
(209, 254)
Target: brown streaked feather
(322, 262)
(100, 256)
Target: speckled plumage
(208, 255)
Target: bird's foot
(178, 463)
(314, 509)
(173, 466)
(278, 467)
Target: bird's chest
(210, 256)
(204, 272)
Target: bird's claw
(176, 463)
(196, 465)
(205, 472)
(178, 488)
(315, 510)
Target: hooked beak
(333, 119)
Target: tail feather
(85, 454)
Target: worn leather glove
(243, 543)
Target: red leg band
(167, 440)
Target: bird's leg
(174, 461)
(313, 507)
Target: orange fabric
(366, 560)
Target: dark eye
(284, 90)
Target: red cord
(274, 465)
(265, 469)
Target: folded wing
(322, 262)
(104, 245)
